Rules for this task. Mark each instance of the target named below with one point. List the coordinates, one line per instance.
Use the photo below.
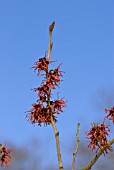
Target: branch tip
(51, 27)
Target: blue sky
(83, 41)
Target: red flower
(57, 105)
(41, 65)
(98, 137)
(40, 114)
(5, 157)
(53, 78)
(43, 90)
(111, 114)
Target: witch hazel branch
(45, 110)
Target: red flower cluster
(40, 114)
(98, 137)
(53, 78)
(41, 65)
(43, 91)
(57, 106)
(42, 111)
(5, 157)
(111, 114)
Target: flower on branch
(40, 114)
(41, 65)
(110, 116)
(98, 137)
(45, 109)
(5, 157)
(53, 77)
(43, 90)
(58, 105)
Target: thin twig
(88, 167)
(77, 146)
(52, 121)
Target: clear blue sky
(83, 41)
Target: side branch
(88, 167)
(77, 146)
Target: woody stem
(48, 98)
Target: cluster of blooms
(98, 134)
(110, 116)
(44, 108)
(41, 65)
(5, 157)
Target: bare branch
(57, 144)
(77, 146)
